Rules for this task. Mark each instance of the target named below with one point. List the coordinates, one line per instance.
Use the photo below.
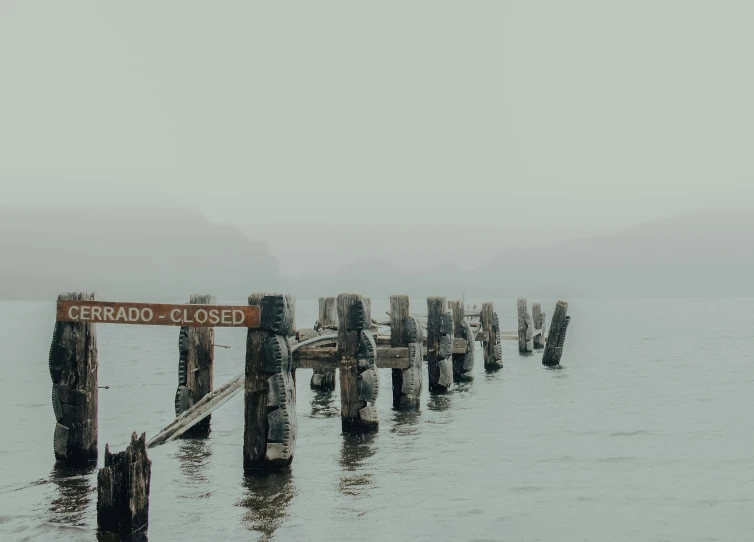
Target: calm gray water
(645, 434)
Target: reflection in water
(406, 422)
(115, 537)
(323, 405)
(194, 455)
(439, 403)
(355, 450)
(267, 497)
(74, 492)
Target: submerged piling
(538, 317)
(270, 422)
(556, 338)
(463, 363)
(195, 367)
(406, 331)
(490, 324)
(357, 351)
(439, 345)
(328, 320)
(525, 328)
(73, 368)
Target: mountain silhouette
(128, 253)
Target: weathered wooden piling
(406, 331)
(538, 317)
(123, 489)
(439, 345)
(490, 324)
(525, 328)
(195, 367)
(73, 368)
(270, 421)
(556, 337)
(327, 320)
(463, 363)
(357, 351)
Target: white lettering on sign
(157, 314)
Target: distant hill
(697, 254)
(128, 253)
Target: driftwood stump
(327, 321)
(463, 363)
(406, 331)
(359, 379)
(490, 324)
(270, 422)
(439, 345)
(195, 367)
(123, 489)
(73, 369)
(556, 338)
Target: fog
(417, 133)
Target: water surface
(645, 434)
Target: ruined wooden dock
(346, 344)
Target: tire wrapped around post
(73, 369)
(270, 422)
(196, 359)
(439, 345)
(463, 363)
(359, 378)
(406, 331)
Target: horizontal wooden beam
(327, 358)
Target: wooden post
(538, 317)
(406, 331)
(439, 345)
(359, 379)
(73, 369)
(490, 324)
(195, 367)
(525, 328)
(327, 320)
(123, 489)
(556, 338)
(463, 364)
(270, 422)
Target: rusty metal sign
(157, 314)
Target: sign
(156, 314)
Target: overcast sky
(416, 132)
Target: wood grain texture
(524, 332)
(490, 346)
(554, 344)
(260, 451)
(399, 311)
(73, 364)
(123, 489)
(348, 346)
(200, 361)
(461, 366)
(436, 307)
(324, 378)
(538, 317)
